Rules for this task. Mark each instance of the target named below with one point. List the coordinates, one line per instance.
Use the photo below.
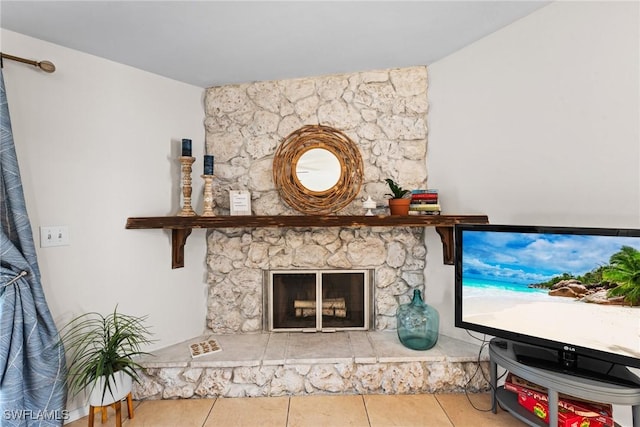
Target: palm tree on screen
(624, 269)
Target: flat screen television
(550, 290)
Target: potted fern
(399, 202)
(102, 354)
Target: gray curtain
(32, 364)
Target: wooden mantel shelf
(181, 226)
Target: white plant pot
(121, 384)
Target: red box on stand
(572, 412)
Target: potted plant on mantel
(399, 202)
(103, 351)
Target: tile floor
(424, 410)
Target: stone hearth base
(281, 364)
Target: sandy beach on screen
(604, 327)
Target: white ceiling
(213, 43)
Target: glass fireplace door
(318, 300)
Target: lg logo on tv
(567, 348)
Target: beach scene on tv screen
(576, 289)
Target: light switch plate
(56, 235)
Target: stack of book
(424, 202)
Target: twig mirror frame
(297, 195)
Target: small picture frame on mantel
(239, 202)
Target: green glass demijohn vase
(418, 323)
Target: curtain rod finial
(47, 66)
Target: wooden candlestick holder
(186, 163)
(208, 195)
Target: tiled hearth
(281, 364)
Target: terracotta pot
(119, 390)
(399, 206)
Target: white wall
(97, 143)
(538, 124)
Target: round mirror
(318, 170)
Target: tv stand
(574, 365)
(501, 352)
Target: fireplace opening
(318, 300)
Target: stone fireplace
(395, 256)
(384, 114)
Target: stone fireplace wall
(384, 113)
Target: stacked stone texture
(237, 259)
(305, 379)
(384, 113)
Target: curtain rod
(45, 66)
